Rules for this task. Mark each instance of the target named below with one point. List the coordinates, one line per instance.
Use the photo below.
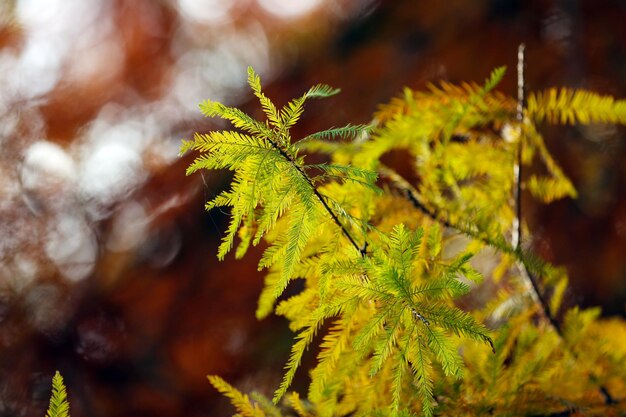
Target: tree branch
(319, 196)
(516, 232)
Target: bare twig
(516, 228)
(516, 238)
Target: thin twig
(516, 228)
(516, 238)
(319, 196)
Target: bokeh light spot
(71, 246)
(207, 11)
(289, 9)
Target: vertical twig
(516, 227)
(516, 237)
(531, 281)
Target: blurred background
(107, 259)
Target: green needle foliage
(385, 261)
(271, 180)
(59, 407)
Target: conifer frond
(237, 117)
(240, 401)
(266, 404)
(322, 91)
(361, 176)
(298, 406)
(444, 288)
(299, 308)
(554, 186)
(421, 364)
(335, 343)
(270, 180)
(292, 111)
(405, 306)
(303, 340)
(557, 297)
(458, 322)
(254, 81)
(494, 79)
(59, 407)
(549, 189)
(348, 131)
(397, 385)
(569, 106)
(445, 351)
(267, 300)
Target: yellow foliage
(569, 106)
(381, 261)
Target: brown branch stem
(517, 224)
(319, 196)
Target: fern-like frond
(549, 189)
(348, 131)
(457, 321)
(363, 177)
(59, 407)
(421, 363)
(400, 371)
(268, 107)
(569, 106)
(291, 112)
(239, 400)
(238, 118)
(333, 349)
(554, 186)
(322, 91)
(445, 351)
(404, 318)
(297, 404)
(303, 340)
(299, 308)
(227, 149)
(267, 299)
(387, 342)
(270, 182)
(301, 227)
(494, 79)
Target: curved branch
(317, 194)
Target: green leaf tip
(494, 78)
(59, 407)
(322, 91)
